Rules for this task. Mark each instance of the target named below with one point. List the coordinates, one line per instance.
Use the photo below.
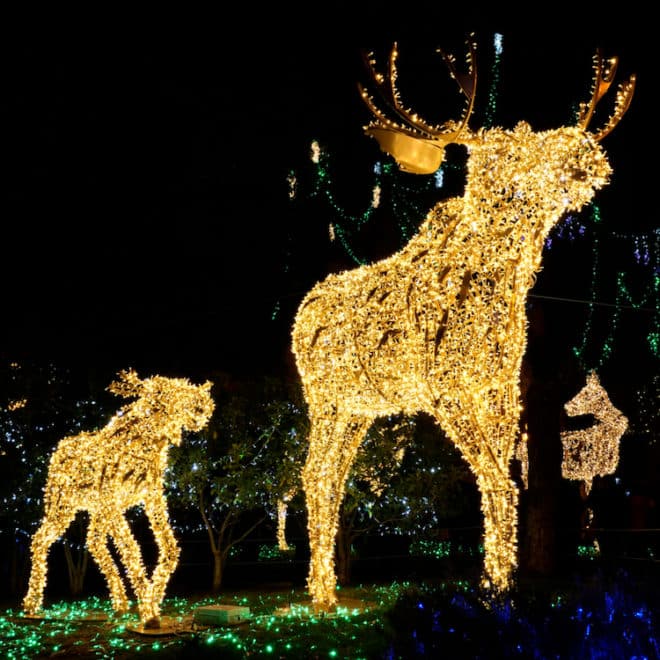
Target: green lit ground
(281, 624)
(597, 612)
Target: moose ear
(127, 385)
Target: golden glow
(315, 152)
(282, 507)
(593, 451)
(112, 470)
(521, 454)
(440, 327)
(375, 197)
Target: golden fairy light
(521, 454)
(593, 451)
(440, 326)
(315, 152)
(375, 197)
(109, 471)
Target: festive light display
(645, 252)
(440, 326)
(407, 202)
(394, 620)
(112, 470)
(593, 451)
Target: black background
(145, 216)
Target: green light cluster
(444, 549)
(90, 628)
(272, 552)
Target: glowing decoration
(375, 200)
(521, 454)
(293, 185)
(593, 451)
(440, 326)
(645, 251)
(16, 405)
(315, 152)
(282, 507)
(112, 470)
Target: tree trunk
(218, 570)
(539, 540)
(77, 569)
(18, 568)
(343, 557)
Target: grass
(595, 614)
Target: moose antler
(604, 72)
(416, 145)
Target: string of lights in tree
(644, 250)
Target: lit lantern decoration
(440, 326)
(593, 451)
(109, 471)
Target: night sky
(146, 217)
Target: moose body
(440, 326)
(112, 470)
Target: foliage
(232, 473)
(602, 618)
(40, 403)
(595, 616)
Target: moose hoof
(152, 624)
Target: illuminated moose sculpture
(440, 326)
(109, 471)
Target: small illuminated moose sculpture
(112, 470)
(440, 326)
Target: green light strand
(404, 200)
(491, 107)
(579, 351)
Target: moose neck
(520, 184)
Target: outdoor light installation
(594, 451)
(109, 471)
(440, 326)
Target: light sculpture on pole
(594, 451)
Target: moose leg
(168, 557)
(52, 527)
(333, 444)
(97, 542)
(131, 558)
(499, 505)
